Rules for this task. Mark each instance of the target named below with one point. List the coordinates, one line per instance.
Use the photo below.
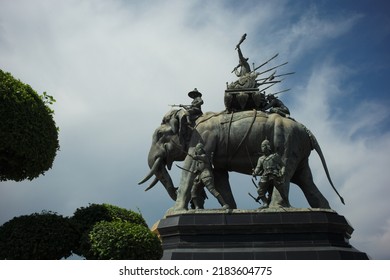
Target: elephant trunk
(166, 180)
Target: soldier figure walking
(204, 178)
(271, 169)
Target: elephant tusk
(155, 181)
(152, 170)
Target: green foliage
(120, 240)
(87, 217)
(99, 231)
(28, 133)
(48, 100)
(39, 236)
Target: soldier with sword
(204, 178)
(271, 169)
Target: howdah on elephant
(233, 140)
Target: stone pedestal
(273, 234)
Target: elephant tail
(317, 148)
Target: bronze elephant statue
(233, 138)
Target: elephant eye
(161, 136)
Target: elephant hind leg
(222, 185)
(304, 179)
(278, 199)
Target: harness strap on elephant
(243, 138)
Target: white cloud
(356, 163)
(312, 31)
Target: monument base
(272, 234)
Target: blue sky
(114, 66)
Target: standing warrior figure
(271, 169)
(204, 178)
(246, 77)
(243, 64)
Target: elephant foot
(172, 210)
(180, 205)
(265, 205)
(225, 207)
(280, 204)
(284, 205)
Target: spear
(276, 76)
(268, 80)
(269, 86)
(279, 91)
(270, 77)
(181, 149)
(290, 73)
(265, 62)
(272, 68)
(266, 83)
(182, 168)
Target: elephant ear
(174, 124)
(184, 128)
(177, 121)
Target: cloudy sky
(114, 66)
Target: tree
(88, 216)
(39, 236)
(118, 240)
(28, 133)
(121, 227)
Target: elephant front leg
(186, 183)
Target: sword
(253, 181)
(253, 167)
(242, 40)
(256, 199)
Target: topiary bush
(28, 133)
(119, 240)
(87, 217)
(39, 236)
